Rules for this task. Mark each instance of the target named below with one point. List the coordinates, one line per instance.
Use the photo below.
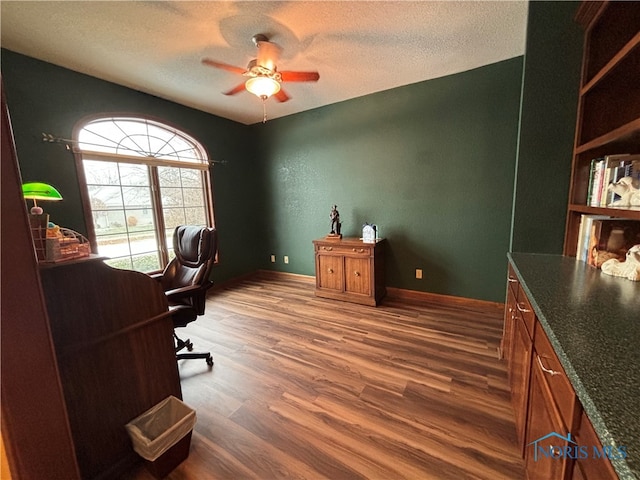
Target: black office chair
(185, 280)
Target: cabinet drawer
(357, 250)
(546, 362)
(525, 310)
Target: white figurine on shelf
(629, 195)
(629, 269)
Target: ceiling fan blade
(300, 76)
(236, 89)
(223, 66)
(281, 96)
(268, 55)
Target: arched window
(143, 178)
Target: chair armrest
(176, 309)
(182, 292)
(156, 276)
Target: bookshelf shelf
(608, 120)
(628, 133)
(630, 212)
(617, 58)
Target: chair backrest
(195, 248)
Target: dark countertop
(593, 323)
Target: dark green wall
(432, 164)
(46, 98)
(547, 125)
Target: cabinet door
(543, 458)
(520, 362)
(330, 272)
(546, 360)
(507, 334)
(357, 274)
(590, 467)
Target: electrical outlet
(286, 259)
(273, 259)
(419, 273)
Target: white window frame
(129, 148)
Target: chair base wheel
(181, 344)
(190, 356)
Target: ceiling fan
(264, 78)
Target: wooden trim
(265, 274)
(392, 292)
(587, 12)
(437, 298)
(275, 275)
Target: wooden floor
(308, 388)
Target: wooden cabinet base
(350, 270)
(556, 438)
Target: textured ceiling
(357, 47)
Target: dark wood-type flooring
(308, 388)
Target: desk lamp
(39, 191)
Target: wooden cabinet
(543, 419)
(546, 362)
(546, 407)
(520, 365)
(589, 467)
(509, 315)
(349, 269)
(608, 120)
(552, 412)
(518, 346)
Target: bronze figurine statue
(335, 221)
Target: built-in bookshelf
(608, 120)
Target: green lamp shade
(40, 191)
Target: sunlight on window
(126, 160)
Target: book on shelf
(607, 170)
(633, 169)
(582, 247)
(592, 170)
(596, 175)
(610, 238)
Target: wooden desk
(112, 334)
(350, 270)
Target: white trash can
(162, 435)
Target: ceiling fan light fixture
(262, 87)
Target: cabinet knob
(330, 270)
(328, 249)
(512, 280)
(357, 274)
